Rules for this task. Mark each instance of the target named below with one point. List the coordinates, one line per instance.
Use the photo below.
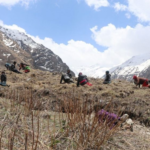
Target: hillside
(10, 51)
(40, 93)
(38, 55)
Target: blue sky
(92, 30)
(63, 20)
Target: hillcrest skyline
(83, 32)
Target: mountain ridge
(41, 57)
(137, 65)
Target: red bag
(145, 84)
(89, 84)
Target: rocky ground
(44, 93)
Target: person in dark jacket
(66, 77)
(141, 81)
(13, 67)
(82, 80)
(3, 79)
(107, 78)
(69, 73)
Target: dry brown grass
(42, 125)
(23, 127)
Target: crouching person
(141, 81)
(107, 78)
(3, 79)
(24, 67)
(13, 68)
(66, 77)
(7, 65)
(82, 80)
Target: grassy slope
(48, 96)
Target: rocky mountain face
(137, 65)
(10, 51)
(21, 46)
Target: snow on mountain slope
(43, 58)
(10, 51)
(93, 71)
(19, 36)
(137, 65)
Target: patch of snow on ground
(17, 51)
(7, 55)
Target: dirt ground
(124, 97)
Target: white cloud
(9, 3)
(120, 7)
(13, 27)
(122, 43)
(128, 15)
(74, 53)
(97, 3)
(140, 8)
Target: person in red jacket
(141, 81)
(82, 80)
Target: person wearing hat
(107, 78)
(3, 79)
(141, 81)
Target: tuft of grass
(24, 127)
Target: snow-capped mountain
(10, 51)
(137, 65)
(95, 71)
(40, 56)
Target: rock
(125, 117)
(129, 121)
(128, 124)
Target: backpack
(27, 68)
(7, 65)
(66, 77)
